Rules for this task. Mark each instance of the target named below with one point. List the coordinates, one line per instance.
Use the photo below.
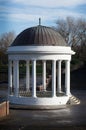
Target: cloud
(21, 15)
(31, 13)
(28, 12)
(51, 3)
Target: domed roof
(39, 36)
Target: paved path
(69, 118)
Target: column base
(34, 96)
(54, 96)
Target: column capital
(16, 60)
(43, 60)
(67, 60)
(54, 60)
(59, 60)
(33, 59)
(27, 61)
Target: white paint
(34, 78)
(41, 49)
(39, 56)
(39, 101)
(44, 53)
(53, 78)
(16, 77)
(10, 76)
(67, 77)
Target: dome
(39, 36)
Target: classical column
(16, 77)
(27, 76)
(44, 75)
(34, 78)
(53, 78)
(59, 77)
(9, 77)
(67, 77)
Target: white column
(27, 76)
(53, 78)
(44, 75)
(9, 77)
(67, 77)
(16, 77)
(59, 77)
(34, 78)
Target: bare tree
(6, 39)
(71, 29)
(74, 32)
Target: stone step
(73, 100)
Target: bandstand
(39, 43)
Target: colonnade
(13, 76)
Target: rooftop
(39, 36)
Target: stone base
(36, 107)
(38, 103)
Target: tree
(74, 32)
(5, 40)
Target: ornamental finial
(39, 21)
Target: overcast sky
(17, 15)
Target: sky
(17, 15)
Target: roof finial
(39, 21)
